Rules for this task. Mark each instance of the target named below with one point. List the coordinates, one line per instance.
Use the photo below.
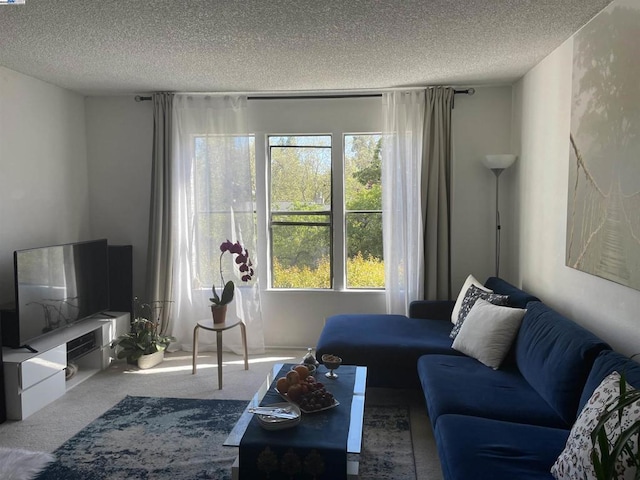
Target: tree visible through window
(363, 211)
(302, 229)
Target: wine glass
(332, 362)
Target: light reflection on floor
(203, 363)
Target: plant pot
(150, 360)
(219, 313)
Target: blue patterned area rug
(181, 439)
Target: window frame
(197, 256)
(346, 213)
(338, 213)
(270, 213)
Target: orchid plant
(244, 266)
(146, 335)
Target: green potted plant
(146, 342)
(219, 302)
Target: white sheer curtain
(403, 124)
(213, 202)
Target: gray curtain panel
(159, 250)
(436, 187)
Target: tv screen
(60, 285)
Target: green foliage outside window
(363, 273)
(301, 179)
(363, 206)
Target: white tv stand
(33, 380)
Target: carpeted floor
(49, 428)
(150, 438)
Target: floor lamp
(497, 163)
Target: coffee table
(354, 440)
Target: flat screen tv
(58, 286)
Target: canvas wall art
(603, 224)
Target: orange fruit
(295, 392)
(302, 370)
(293, 377)
(282, 385)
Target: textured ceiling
(137, 46)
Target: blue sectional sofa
(390, 345)
(504, 424)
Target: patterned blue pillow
(474, 293)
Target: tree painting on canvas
(603, 224)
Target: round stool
(219, 328)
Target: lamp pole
(497, 164)
(497, 172)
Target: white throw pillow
(574, 463)
(472, 295)
(488, 332)
(463, 291)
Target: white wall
(481, 125)
(296, 318)
(119, 144)
(542, 115)
(43, 169)
(119, 135)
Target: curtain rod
(466, 91)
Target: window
(211, 183)
(363, 211)
(307, 246)
(301, 211)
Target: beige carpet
(50, 427)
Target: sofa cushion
(555, 356)
(389, 345)
(462, 385)
(484, 449)
(488, 332)
(431, 309)
(575, 463)
(470, 299)
(517, 298)
(471, 280)
(606, 363)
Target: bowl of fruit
(308, 394)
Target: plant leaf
(227, 293)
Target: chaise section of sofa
(390, 345)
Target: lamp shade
(502, 161)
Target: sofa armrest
(431, 309)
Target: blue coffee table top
(356, 416)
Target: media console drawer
(45, 365)
(35, 382)
(39, 395)
(35, 379)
